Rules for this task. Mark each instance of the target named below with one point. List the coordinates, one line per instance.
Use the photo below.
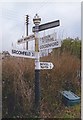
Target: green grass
(70, 112)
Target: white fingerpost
(37, 21)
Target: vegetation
(0, 89)
(18, 83)
(73, 46)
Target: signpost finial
(36, 19)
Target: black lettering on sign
(33, 54)
(26, 53)
(53, 44)
(13, 51)
(44, 65)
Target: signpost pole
(37, 21)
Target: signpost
(54, 44)
(48, 38)
(23, 53)
(37, 21)
(27, 38)
(43, 46)
(47, 25)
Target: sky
(12, 20)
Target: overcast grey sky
(12, 20)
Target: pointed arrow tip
(52, 65)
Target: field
(18, 85)
(0, 89)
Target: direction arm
(47, 25)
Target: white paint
(22, 53)
(37, 63)
(54, 44)
(27, 38)
(45, 52)
(46, 65)
(47, 39)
